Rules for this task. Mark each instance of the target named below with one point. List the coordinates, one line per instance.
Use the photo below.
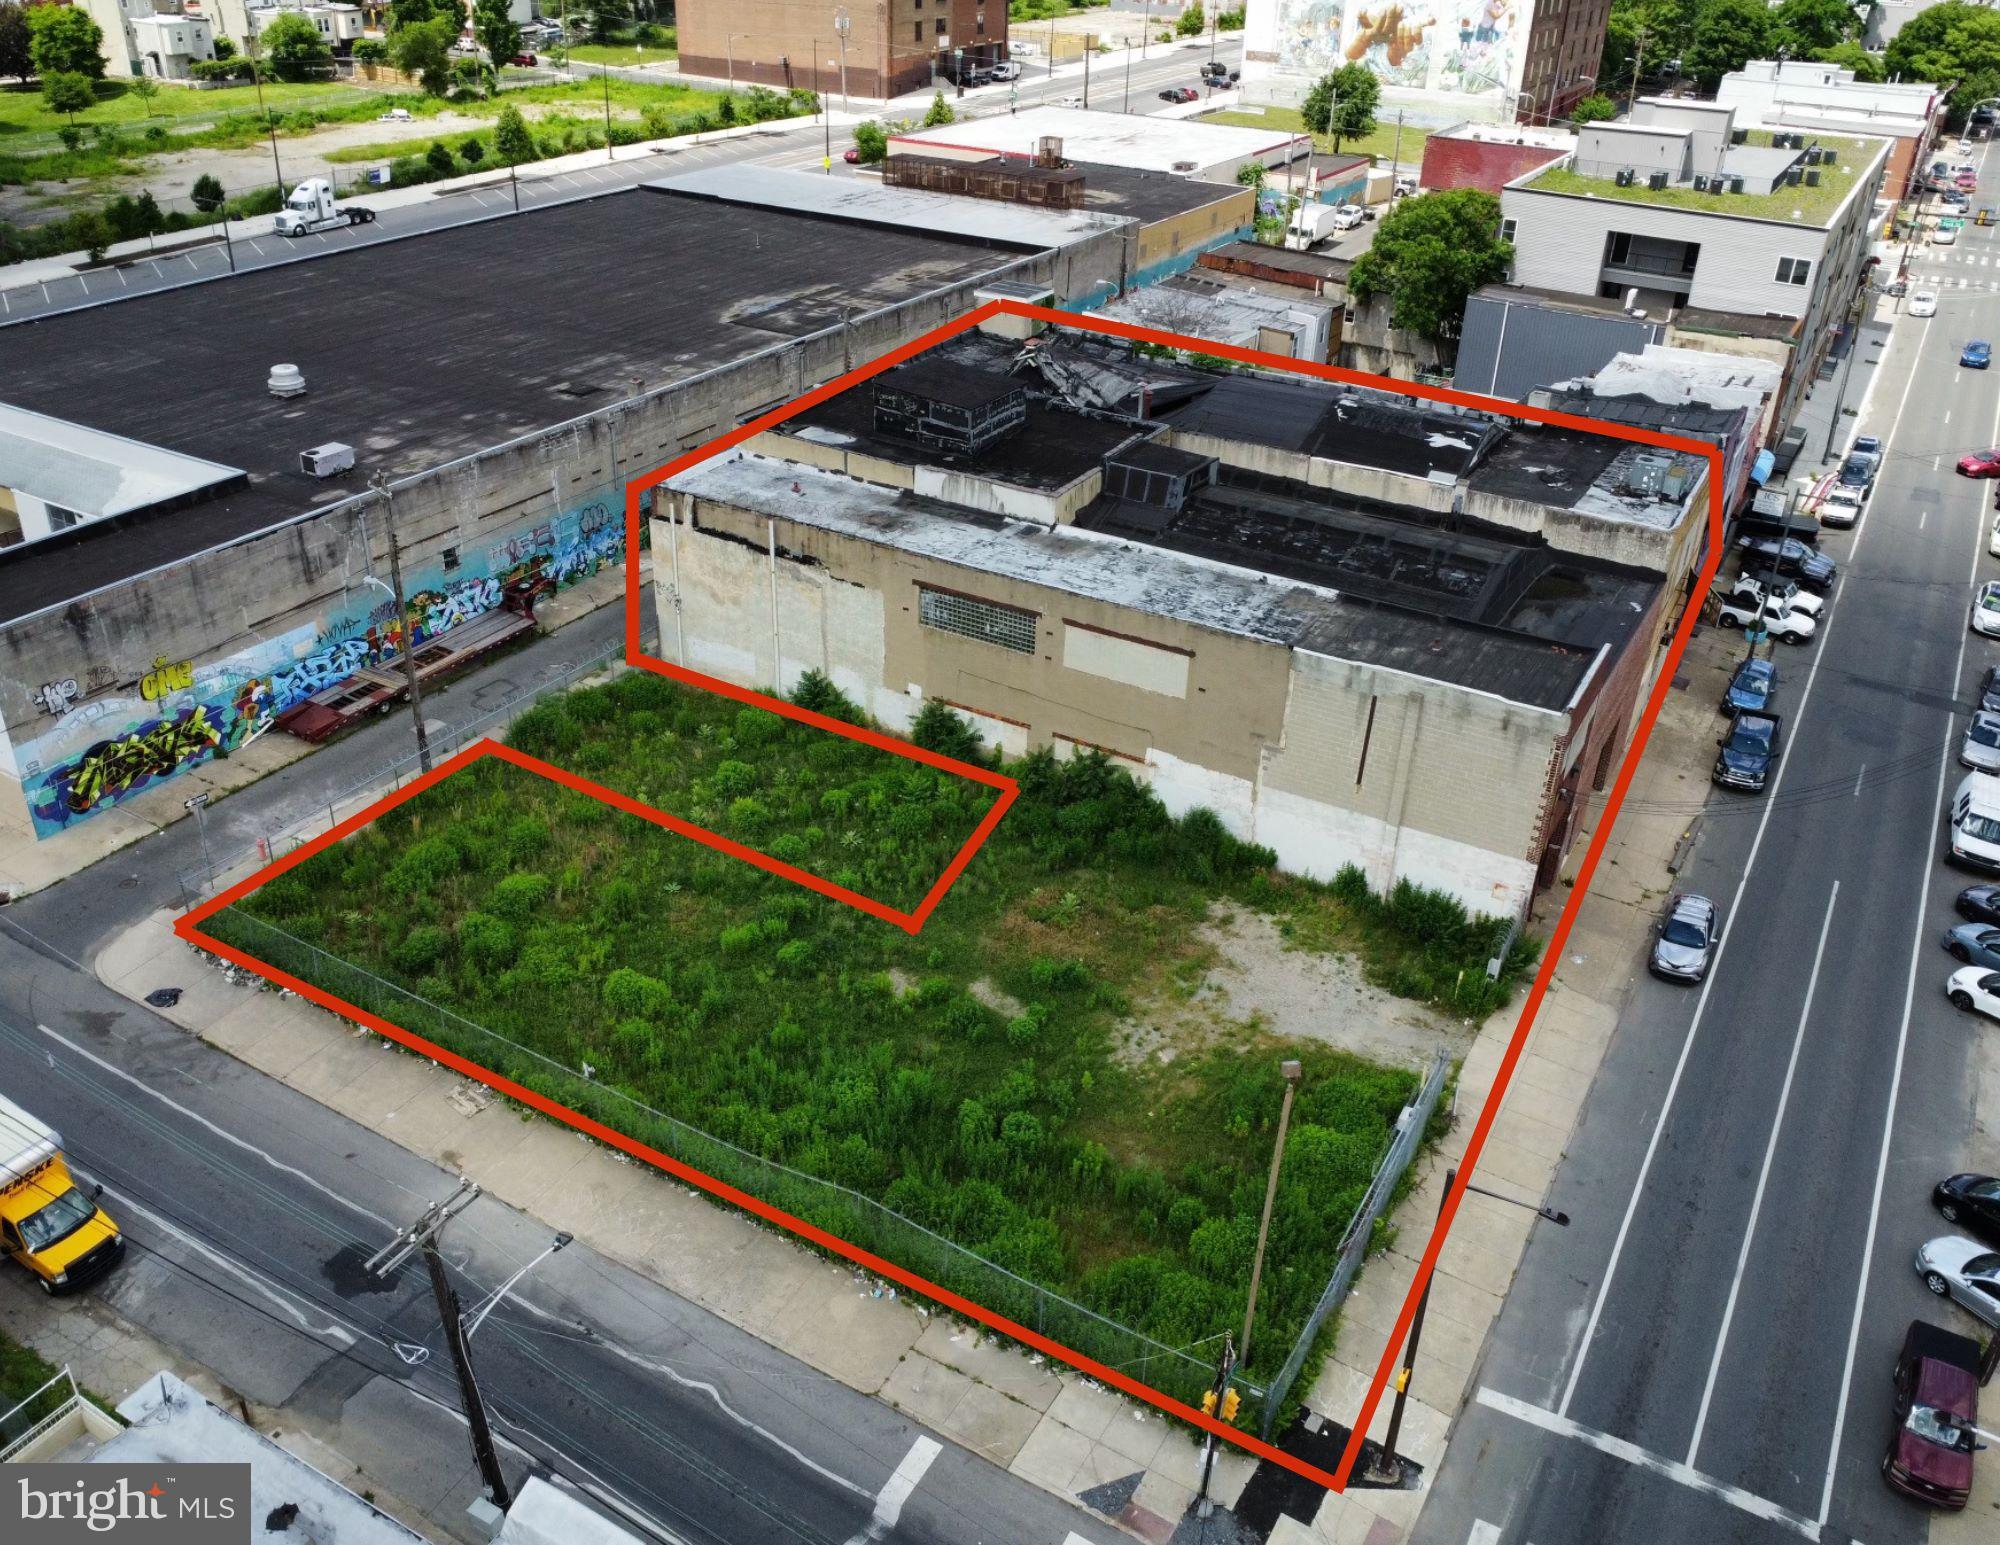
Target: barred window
(970, 617)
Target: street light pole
(403, 628)
(1292, 1072)
(199, 805)
(842, 24)
(604, 74)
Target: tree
(940, 112)
(206, 194)
(440, 160)
(65, 41)
(1593, 109)
(224, 49)
(1727, 35)
(1804, 27)
(1251, 174)
(91, 232)
(17, 54)
(602, 19)
(1953, 44)
(294, 47)
(1343, 103)
(145, 88)
(1431, 253)
(512, 143)
(68, 92)
(872, 141)
(1192, 21)
(497, 34)
(1850, 55)
(412, 13)
(423, 49)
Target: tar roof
(1147, 196)
(410, 361)
(1339, 424)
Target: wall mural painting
(179, 714)
(1468, 46)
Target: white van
(1975, 821)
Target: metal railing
(858, 1219)
(1360, 1235)
(214, 870)
(37, 1414)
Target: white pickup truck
(312, 208)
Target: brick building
(888, 47)
(1488, 156)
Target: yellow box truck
(47, 1222)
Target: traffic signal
(1230, 1402)
(1208, 1402)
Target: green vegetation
(1956, 45)
(1710, 38)
(1432, 253)
(1341, 104)
(1001, 1078)
(871, 141)
(650, 43)
(1049, 10)
(23, 1371)
(1381, 144)
(1816, 205)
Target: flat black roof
(1457, 600)
(945, 383)
(421, 350)
(1147, 197)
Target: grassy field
(1382, 144)
(24, 113)
(993, 1078)
(622, 53)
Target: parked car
(1975, 944)
(1769, 617)
(1791, 558)
(523, 58)
(1980, 463)
(1964, 1270)
(1970, 1202)
(1980, 750)
(851, 156)
(1405, 186)
(1347, 217)
(394, 115)
(1842, 506)
(1993, 536)
(1858, 470)
(1924, 303)
(1979, 903)
(1751, 688)
(1780, 594)
(1976, 355)
(1180, 94)
(1984, 616)
(1749, 752)
(1007, 69)
(1974, 989)
(1684, 946)
(1937, 1404)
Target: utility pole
(1089, 46)
(1292, 1072)
(423, 1236)
(403, 628)
(604, 74)
(1638, 52)
(842, 24)
(1396, 154)
(1218, 1398)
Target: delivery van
(47, 1222)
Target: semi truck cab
(49, 1223)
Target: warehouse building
(1301, 626)
(210, 557)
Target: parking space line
(1902, 1048)
(1764, 1174)
(256, 249)
(1672, 1469)
(897, 1489)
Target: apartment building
(1824, 98)
(870, 51)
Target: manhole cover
(164, 997)
(129, 883)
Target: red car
(1937, 1403)
(851, 156)
(527, 59)
(1980, 464)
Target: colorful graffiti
(106, 748)
(1419, 45)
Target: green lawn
(1817, 205)
(622, 53)
(997, 1078)
(22, 111)
(1381, 144)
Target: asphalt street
(251, 1207)
(1705, 1354)
(802, 148)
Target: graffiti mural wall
(1460, 46)
(93, 752)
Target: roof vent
(287, 381)
(1186, 168)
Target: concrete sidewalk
(1601, 959)
(1059, 1430)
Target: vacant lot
(979, 1078)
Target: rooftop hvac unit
(1701, 182)
(1626, 177)
(1048, 150)
(1812, 178)
(1657, 181)
(1739, 136)
(1646, 474)
(1794, 177)
(329, 460)
(1674, 482)
(1735, 184)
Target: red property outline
(187, 926)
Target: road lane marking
(1722, 946)
(1858, 776)
(1896, 1077)
(221, 1132)
(1764, 1174)
(896, 1491)
(1644, 1459)
(1483, 1533)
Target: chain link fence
(1360, 1236)
(858, 1219)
